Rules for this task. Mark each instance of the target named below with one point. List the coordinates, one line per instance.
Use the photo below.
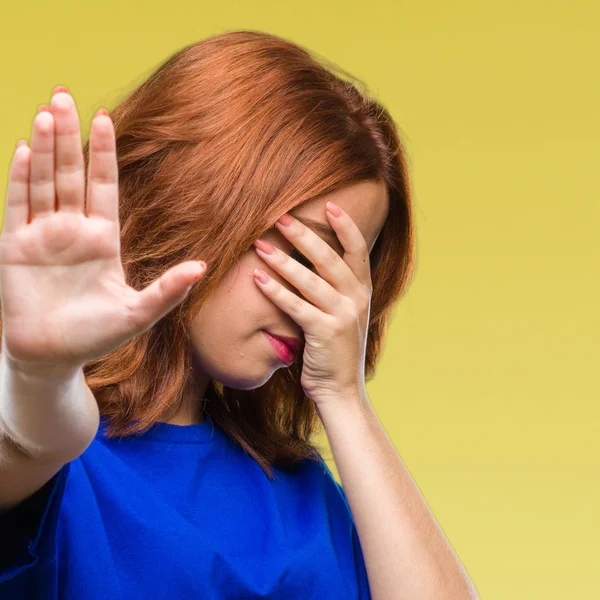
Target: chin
(247, 382)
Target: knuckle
(101, 178)
(296, 304)
(339, 327)
(313, 281)
(330, 256)
(69, 164)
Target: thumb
(166, 292)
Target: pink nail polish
(285, 219)
(261, 275)
(264, 246)
(333, 209)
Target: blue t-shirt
(181, 512)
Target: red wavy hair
(221, 140)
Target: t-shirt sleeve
(28, 531)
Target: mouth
(283, 349)
(293, 343)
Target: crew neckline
(168, 432)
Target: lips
(293, 343)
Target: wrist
(37, 372)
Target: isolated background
(489, 384)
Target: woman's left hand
(336, 316)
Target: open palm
(63, 292)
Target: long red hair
(222, 139)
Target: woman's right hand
(63, 293)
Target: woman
(170, 455)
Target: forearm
(407, 556)
(46, 414)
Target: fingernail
(43, 107)
(261, 275)
(333, 209)
(264, 246)
(60, 88)
(285, 219)
(101, 111)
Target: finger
(42, 192)
(313, 287)
(356, 251)
(328, 263)
(302, 312)
(103, 173)
(16, 213)
(70, 176)
(164, 294)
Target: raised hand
(63, 293)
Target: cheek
(242, 302)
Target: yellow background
(489, 383)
